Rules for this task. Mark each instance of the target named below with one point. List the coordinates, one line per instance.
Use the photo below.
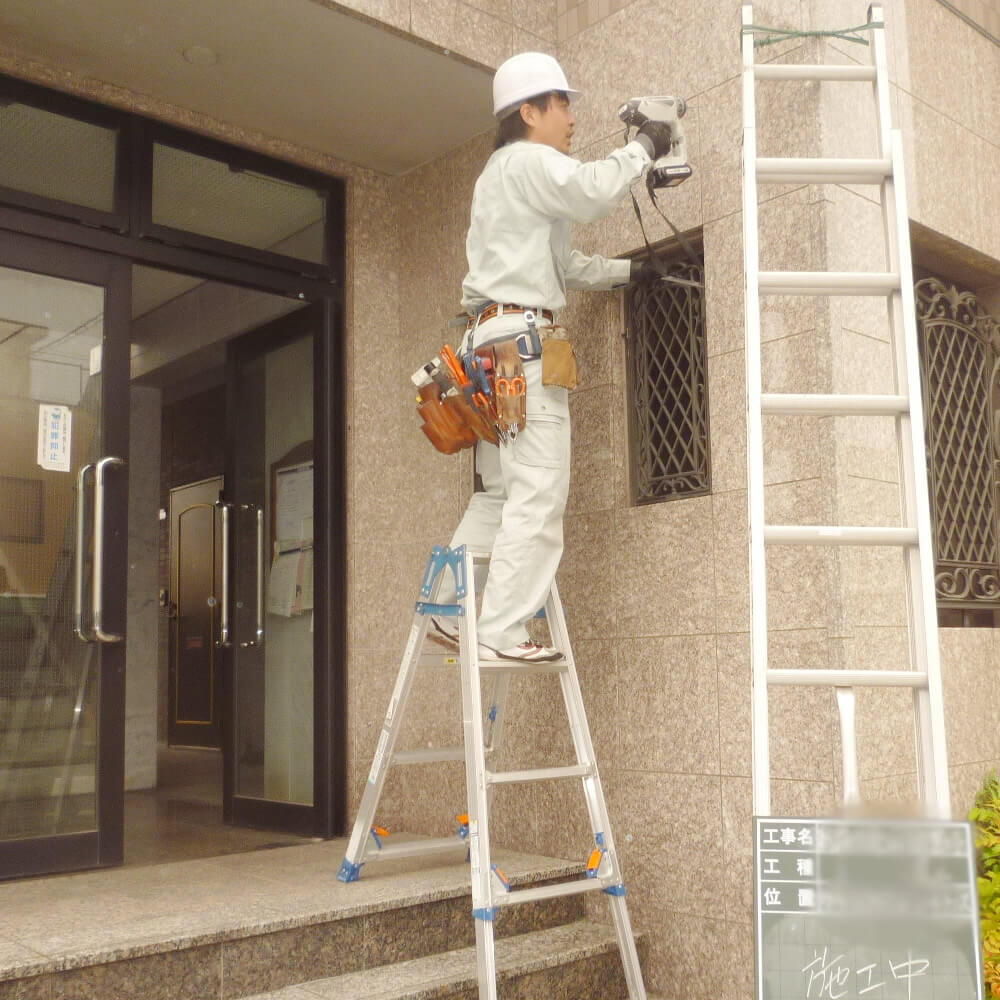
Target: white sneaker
(443, 633)
(526, 652)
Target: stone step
(44, 781)
(578, 960)
(231, 927)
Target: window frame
(640, 467)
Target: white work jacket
(524, 204)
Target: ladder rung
(836, 405)
(520, 667)
(849, 678)
(808, 534)
(774, 170)
(415, 848)
(429, 756)
(828, 282)
(555, 891)
(538, 774)
(788, 71)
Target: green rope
(783, 34)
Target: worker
(525, 201)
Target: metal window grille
(666, 358)
(960, 368)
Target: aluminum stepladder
(913, 537)
(482, 740)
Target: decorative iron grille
(960, 368)
(666, 359)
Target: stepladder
(483, 718)
(879, 179)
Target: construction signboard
(866, 910)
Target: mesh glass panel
(668, 390)
(46, 154)
(958, 345)
(207, 197)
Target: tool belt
(483, 396)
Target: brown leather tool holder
(442, 421)
(558, 360)
(509, 387)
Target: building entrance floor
(181, 819)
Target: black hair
(513, 127)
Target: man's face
(554, 126)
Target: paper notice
(281, 584)
(55, 437)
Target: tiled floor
(181, 819)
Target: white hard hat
(525, 75)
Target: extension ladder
(913, 537)
(490, 890)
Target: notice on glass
(282, 584)
(294, 502)
(55, 437)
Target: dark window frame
(659, 472)
(132, 215)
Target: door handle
(98, 586)
(81, 541)
(224, 641)
(258, 639)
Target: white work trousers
(519, 517)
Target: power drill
(672, 169)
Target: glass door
(63, 534)
(267, 624)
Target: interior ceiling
(294, 70)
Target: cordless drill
(673, 168)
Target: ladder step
(828, 282)
(429, 756)
(787, 71)
(849, 678)
(574, 888)
(416, 848)
(808, 534)
(538, 774)
(775, 170)
(520, 667)
(836, 405)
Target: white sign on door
(55, 437)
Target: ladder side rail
(880, 61)
(475, 786)
(594, 794)
(755, 442)
(848, 744)
(358, 845)
(911, 447)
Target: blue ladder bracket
(444, 610)
(615, 890)
(540, 613)
(376, 838)
(485, 913)
(493, 713)
(495, 868)
(349, 872)
(440, 558)
(599, 839)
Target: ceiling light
(201, 55)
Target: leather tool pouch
(509, 386)
(558, 360)
(443, 423)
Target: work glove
(643, 272)
(655, 138)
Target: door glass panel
(273, 534)
(205, 196)
(57, 157)
(51, 331)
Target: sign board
(55, 437)
(866, 910)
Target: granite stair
(277, 924)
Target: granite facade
(657, 596)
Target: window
(960, 354)
(667, 365)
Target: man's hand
(656, 138)
(643, 272)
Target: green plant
(985, 813)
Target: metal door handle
(81, 540)
(258, 639)
(223, 640)
(98, 585)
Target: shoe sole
(436, 634)
(497, 657)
